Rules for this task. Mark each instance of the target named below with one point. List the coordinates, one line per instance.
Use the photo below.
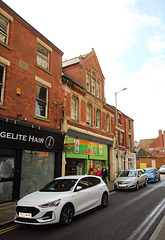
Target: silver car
(128, 179)
(162, 169)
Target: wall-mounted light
(18, 91)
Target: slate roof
(144, 154)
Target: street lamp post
(117, 144)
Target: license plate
(122, 185)
(25, 215)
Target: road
(130, 215)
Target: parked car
(128, 179)
(61, 200)
(153, 175)
(162, 169)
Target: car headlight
(50, 204)
(131, 181)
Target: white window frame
(98, 119)
(122, 138)
(2, 84)
(129, 141)
(89, 114)
(74, 108)
(88, 83)
(7, 18)
(107, 123)
(43, 59)
(4, 34)
(98, 89)
(93, 86)
(45, 85)
(4, 63)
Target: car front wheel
(137, 186)
(67, 214)
(145, 184)
(104, 200)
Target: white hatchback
(162, 169)
(61, 200)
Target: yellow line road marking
(9, 229)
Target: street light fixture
(117, 144)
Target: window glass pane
(41, 92)
(98, 89)
(89, 114)
(41, 100)
(36, 171)
(6, 167)
(3, 25)
(93, 86)
(40, 108)
(43, 57)
(88, 83)
(107, 123)
(6, 191)
(3, 29)
(98, 119)
(1, 74)
(74, 108)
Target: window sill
(3, 107)
(41, 118)
(5, 45)
(43, 69)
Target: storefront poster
(83, 148)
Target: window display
(37, 170)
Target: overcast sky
(129, 40)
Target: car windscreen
(128, 174)
(59, 185)
(149, 170)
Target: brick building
(124, 152)
(156, 147)
(90, 121)
(31, 143)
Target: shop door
(7, 169)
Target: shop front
(30, 157)
(84, 157)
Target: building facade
(125, 157)
(155, 147)
(90, 122)
(31, 142)
(88, 119)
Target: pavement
(7, 212)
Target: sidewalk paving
(7, 212)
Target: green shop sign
(84, 149)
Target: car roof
(149, 168)
(75, 176)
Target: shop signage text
(21, 137)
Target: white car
(162, 169)
(61, 200)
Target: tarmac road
(130, 215)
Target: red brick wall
(75, 72)
(159, 161)
(23, 43)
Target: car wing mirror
(78, 188)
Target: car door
(82, 199)
(156, 173)
(95, 191)
(141, 177)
